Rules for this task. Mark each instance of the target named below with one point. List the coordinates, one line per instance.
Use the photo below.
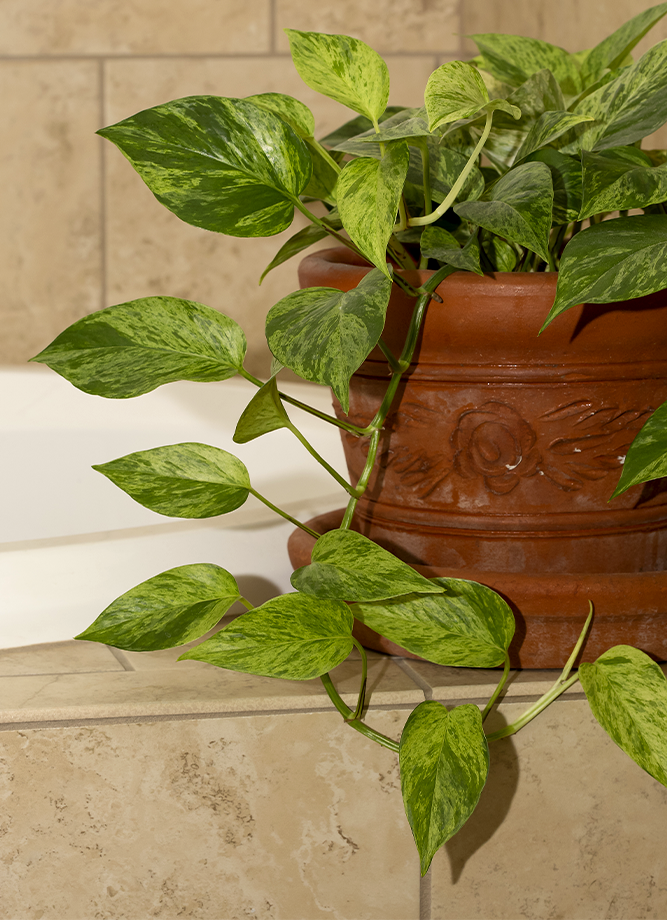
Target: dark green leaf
(647, 457)
(170, 609)
(294, 245)
(501, 255)
(513, 58)
(264, 413)
(343, 68)
(437, 243)
(297, 115)
(134, 347)
(467, 626)
(547, 128)
(292, 636)
(611, 261)
(518, 208)
(566, 178)
(614, 183)
(324, 335)
(348, 566)
(444, 762)
(612, 51)
(222, 164)
(368, 193)
(181, 480)
(356, 126)
(627, 692)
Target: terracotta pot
(502, 449)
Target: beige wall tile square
(273, 817)
(567, 826)
(50, 226)
(128, 27)
(385, 25)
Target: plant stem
(458, 185)
(392, 360)
(288, 517)
(357, 725)
(320, 223)
(320, 459)
(246, 603)
(363, 480)
(364, 675)
(496, 692)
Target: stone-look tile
(386, 25)
(57, 658)
(50, 242)
(567, 826)
(192, 688)
(150, 251)
(126, 27)
(273, 817)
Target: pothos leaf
(647, 455)
(264, 413)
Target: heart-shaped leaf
(513, 58)
(566, 178)
(454, 91)
(181, 480)
(548, 127)
(292, 636)
(437, 243)
(265, 412)
(611, 261)
(222, 164)
(467, 626)
(519, 207)
(368, 192)
(348, 566)
(134, 347)
(444, 762)
(297, 115)
(613, 183)
(169, 609)
(343, 68)
(324, 335)
(612, 51)
(647, 455)
(627, 693)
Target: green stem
(320, 223)
(320, 459)
(246, 603)
(324, 153)
(363, 480)
(458, 185)
(284, 514)
(357, 725)
(364, 676)
(496, 692)
(392, 360)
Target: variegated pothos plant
(516, 162)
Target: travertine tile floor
(135, 787)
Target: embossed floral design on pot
(496, 443)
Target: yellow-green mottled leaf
(614, 183)
(343, 68)
(611, 52)
(548, 127)
(566, 177)
(647, 456)
(348, 566)
(297, 115)
(187, 480)
(169, 609)
(627, 693)
(222, 164)
(454, 91)
(265, 412)
(513, 58)
(292, 636)
(444, 762)
(134, 347)
(437, 243)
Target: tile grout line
(272, 27)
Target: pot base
(550, 608)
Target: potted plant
(491, 182)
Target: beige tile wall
(79, 231)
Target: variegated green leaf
(301, 240)
(502, 256)
(454, 91)
(343, 68)
(437, 243)
(368, 193)
(325, 173)
(169, 609)
(357, 126)
(627, 693)
(134, 347)
(446, 166)
(467, 626)
(292, 636)
(647, 456)
(612, 51)
(611, 261)
(297, 115)
(181, 480)
(264, 413)
(566, 178)
(629, 107)
(613, 183)
(518, 208)
(324, 335)
(347, 566)
(222, 164)
(548, 127)
(513, 58)
(444, 762)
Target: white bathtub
(70, 541)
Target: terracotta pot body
(503, 447)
